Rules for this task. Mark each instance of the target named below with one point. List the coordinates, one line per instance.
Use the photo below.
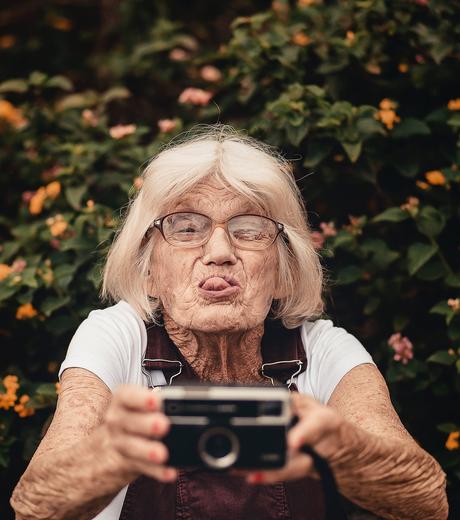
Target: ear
(151, 285)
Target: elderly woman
(216, 279)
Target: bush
(363, 96)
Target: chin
(219, 319)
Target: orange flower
(90, 204)
(21, 408)
(422, 185)
(138, 181)
(58, 387)
(454, 104)
(306, 3)
(60, 23)
(452, 442)
(373, 68)
(11, 114)
(53, 189)
(435, 178)
(8, 399)
(403, 68)
(37, 200)
(11, 383)
(120, 131)
(26, 311)
(7, 41)
(387, 114)
(5, 271)
(350, 37)
(58, 228)
(301, 39)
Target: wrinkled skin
(220, 339)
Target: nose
(219, 250)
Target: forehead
(214, 198)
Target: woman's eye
(188, 229)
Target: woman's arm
(92, 449)
(377, 464)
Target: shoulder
(108, 343)
(331, 353)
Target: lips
(218, 286)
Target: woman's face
(178, 273)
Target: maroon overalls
(202, 495)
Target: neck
(226, 358)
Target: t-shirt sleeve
(331, 353)
(103, 344)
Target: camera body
(221, 427)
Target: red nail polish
(258, 477)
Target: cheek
(262, 275)
(171, 272)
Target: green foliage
(365, 93)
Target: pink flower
(120, 131)
(89, 117)
(167, 125)
(195, 96)
(328, 229)
(318, 239)
(55, 243)
(18, 265)
(402, 346)
(178, 54)
(27, 195)
(210, 73)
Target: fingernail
(151, 402)
(154, 456)
(256, 478)
(157, 427)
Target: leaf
(316, 152)
(391, 215)
(52, 303)
(442, 357)
(432, 270)
(60, 82)
(448, 427)
(452, 280)
(353, 150)
(409, 127)
(7, 291)
(115, 93)
(74, 195)
(349, 274)
(13, 85)
(440, 308)
(418, 255)
(63, 275)
(295, 134)
(430, 221)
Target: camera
(220, 427)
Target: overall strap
(283, 355)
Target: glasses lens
(252, 231)
(186, 228)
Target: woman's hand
(134, 424)
(319, 427)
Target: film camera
(222, 427)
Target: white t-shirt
(111, 343)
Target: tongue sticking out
(215, 284)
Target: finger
(297, 467)
(312, 427)
(137, 398)
(139, 449)
(147, 424)
(160, 473)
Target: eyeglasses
(189, 229)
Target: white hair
(249, 167)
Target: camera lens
(219, 448)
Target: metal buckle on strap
(149, 374)
(291, 379)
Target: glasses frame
(158, 224)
